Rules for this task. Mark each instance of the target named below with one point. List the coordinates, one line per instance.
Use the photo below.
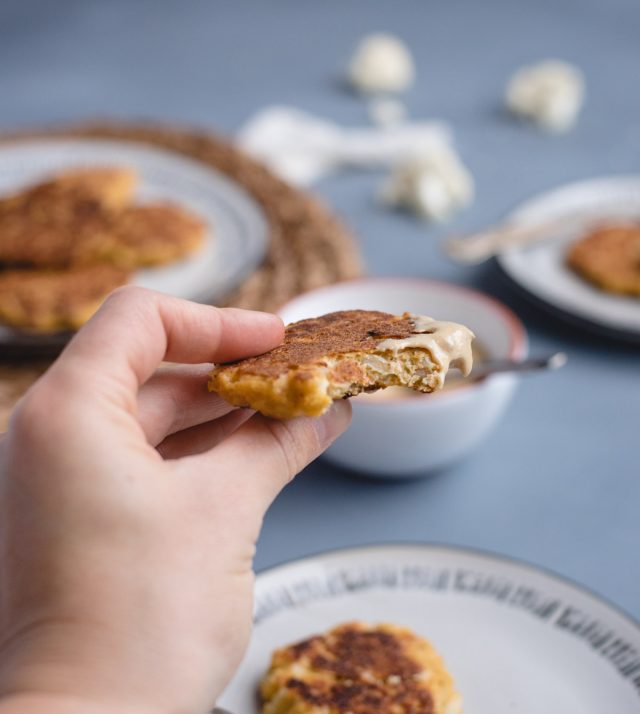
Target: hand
(130, 503)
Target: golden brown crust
(358, 669)
(153, 234)
(338, 355)
(64, 220)
(609, 257)
(67, 242)
(312, 341)
(112, 186)
(52, 300)
(80, 217)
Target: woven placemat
(308, 246)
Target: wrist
(64, 669)
(71, 666)
(53, 703)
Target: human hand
(130, 504)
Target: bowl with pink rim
(400, 433)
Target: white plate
(541, 270)
(517, 639)
(237, 230)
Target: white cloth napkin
(301, 147)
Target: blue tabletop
(558, 483)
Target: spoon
(480, 246)
(532, 364)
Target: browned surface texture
(609, 257)
(112, 187)
(153, 234)
(63, 220)
(308, 246)
(55, 299)
(359, 669)
(311, 341)
(82, 217)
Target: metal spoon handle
(532, 364)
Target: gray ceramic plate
(540, 269)
(516, 638)
(237, 229)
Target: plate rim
(487, 554)
(631, 337)
(620, 333)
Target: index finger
(136, 329)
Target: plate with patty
(145, 215)
(430, 629)
(589, 273)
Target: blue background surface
(558, 483)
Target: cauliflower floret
(381, 63)
(550, 93)
(434, 186)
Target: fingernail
(257, 316)
(269, 321)
(269, 317)
(264, 316)
(334, 422)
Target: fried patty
(67, 242)
(82, 217)
(53, 300)
(111, 186)
(153, 234)
(609, 257)
(65, 220)
(359, 669)
(342, 354)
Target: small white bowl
(412, 436)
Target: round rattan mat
(308, 246)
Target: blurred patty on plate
(609, 257)
(62, 220)
(357, 668)
(52, 300)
